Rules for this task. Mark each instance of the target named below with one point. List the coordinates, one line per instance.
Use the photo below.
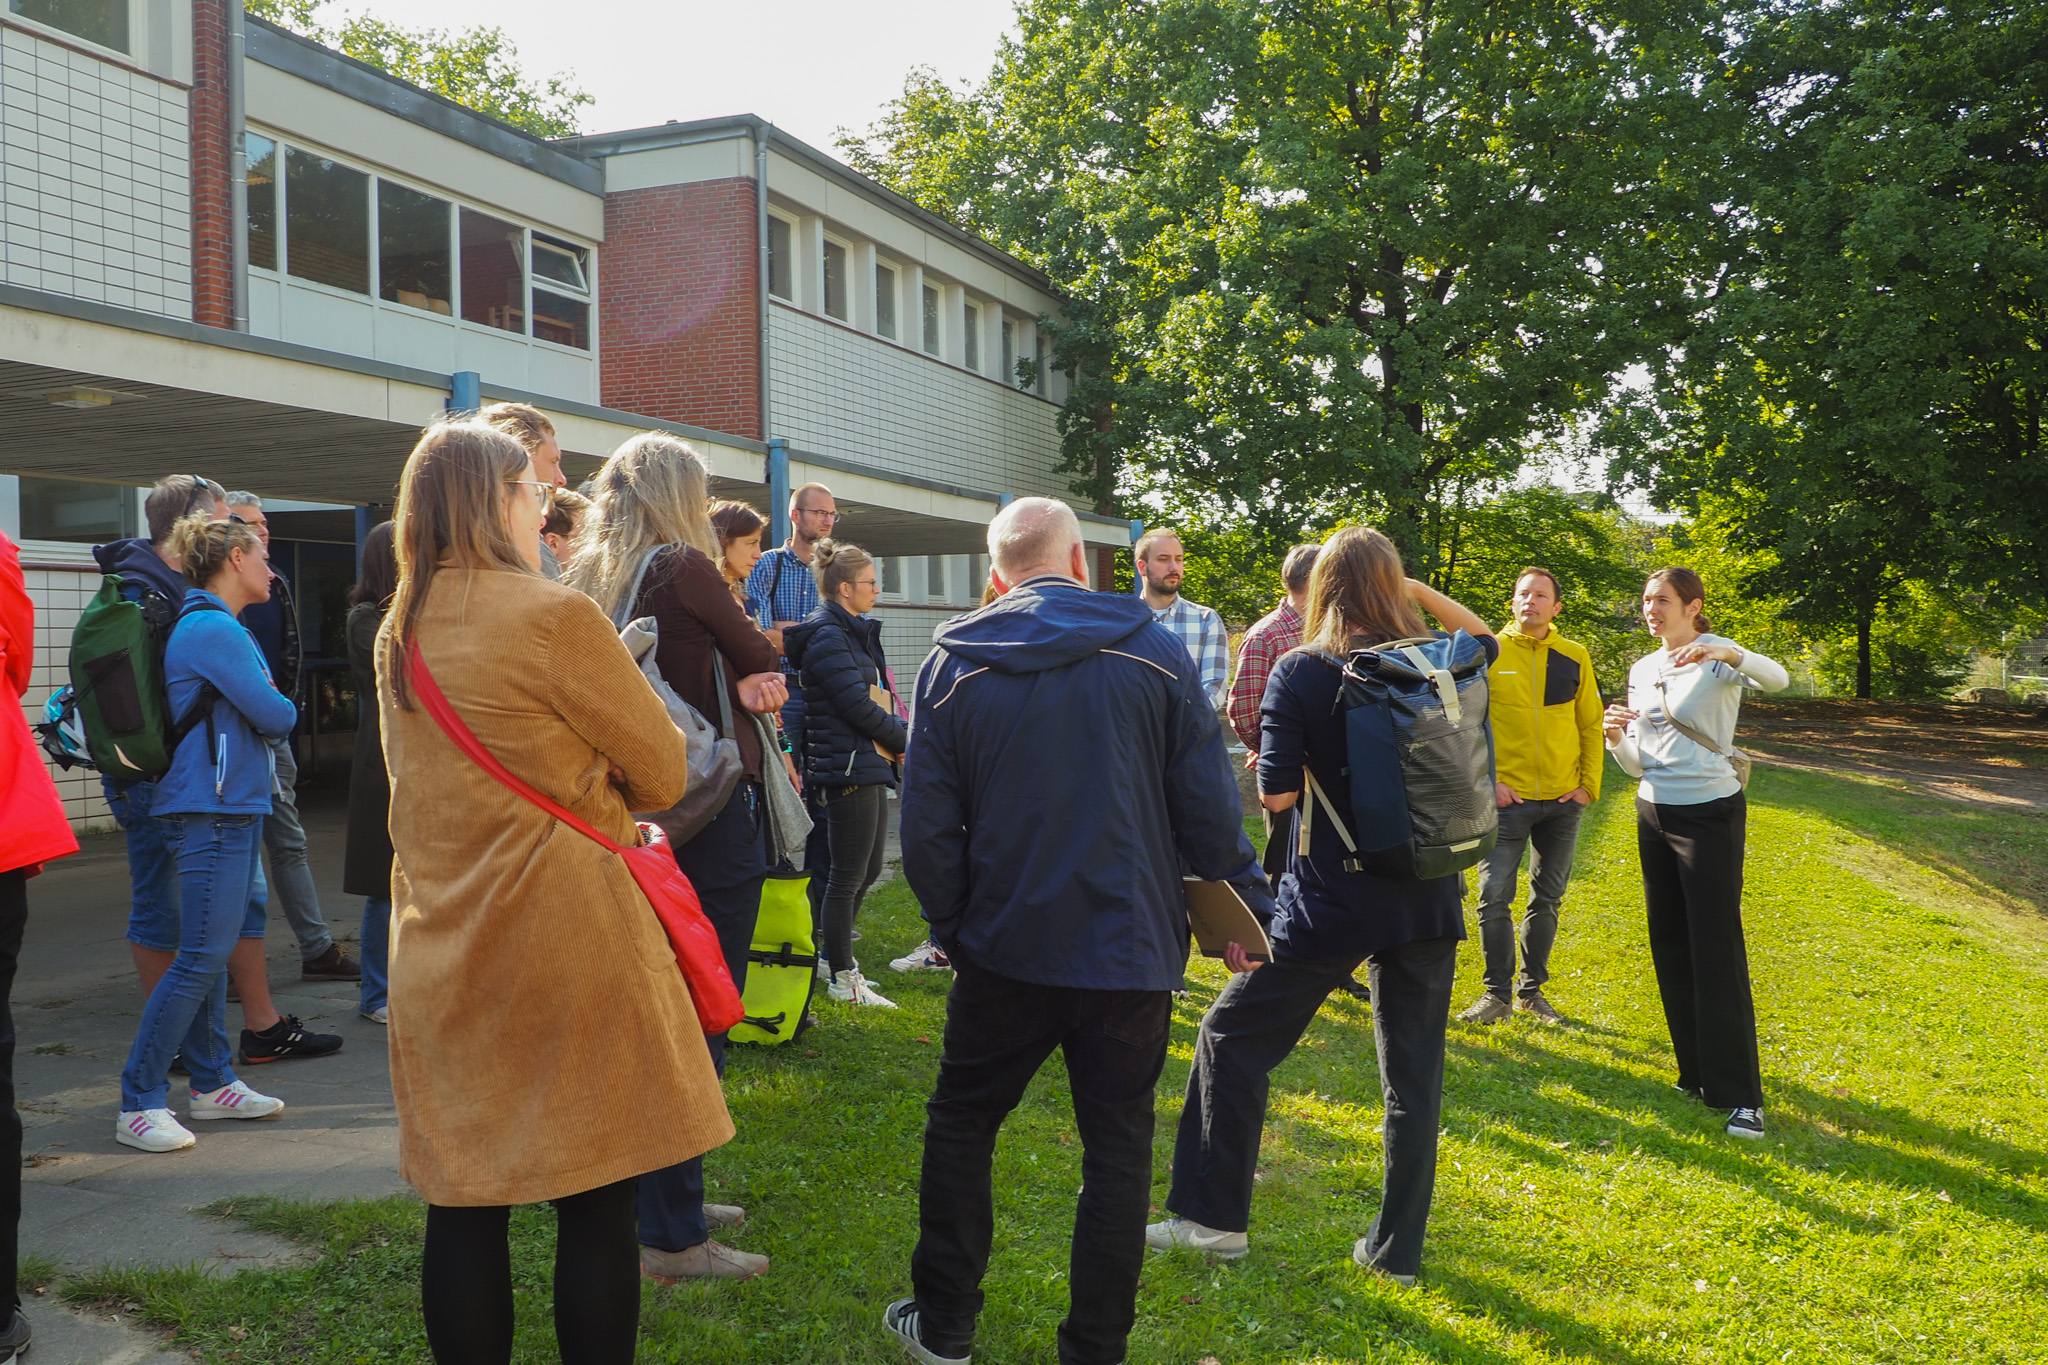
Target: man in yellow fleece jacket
(1548, 748)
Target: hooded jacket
(224, 765)
(1546, 712)
(33, 827)
(838, 656)
(1065, 767)
(139, 567)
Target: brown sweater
(693, 606)
(542, 1042)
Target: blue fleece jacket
(225, 768)
(1064, 768)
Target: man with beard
(1162, 564)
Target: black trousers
(1280, 836)
(13, 921)
(466, 1280)
(1692, 882)
(1252, 1027)
(999, 1031)
(857, 827)
(726, 863)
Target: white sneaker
(235, 1101)
(1181, 1232)
(849, 987)
(379, 1015)
(152, 1130)
(925, 957)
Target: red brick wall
(681, 306)
(213, 251)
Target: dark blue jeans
(375, 991)
(999, 1032)
(1251, 1028)
(726, 863)
(187, 1012)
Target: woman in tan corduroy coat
(543, 1046)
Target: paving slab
(64, 1336)
(87, 1201)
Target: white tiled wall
(94, 179)
(907, 639)
(59, 596)
(838, 392)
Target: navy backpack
(1419, 750)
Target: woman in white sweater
(1690, 818)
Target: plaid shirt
(1278, 631)
(785, 588)
(1207, 641)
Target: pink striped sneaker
(152, 1130)
(235, 1101)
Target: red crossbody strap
(464, 739)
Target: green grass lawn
(1584, 1211)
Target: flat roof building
(287, 320)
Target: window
(97, 21)
(327, 222)
(493, 283)
(413, 266)
(1009, 375)
(66, 509)
(892, 577)
(561, 292)
(835, 281)
(1038, 363)
(262, 158)
(973, 337)
(885, 301)
(931, 320)
(778, 259)
(917, 577)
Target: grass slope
(1584, 1210)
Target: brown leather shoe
(332, 965)
(724, 1215)
(705, 1261)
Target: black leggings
(466, 1280)
(857, 824)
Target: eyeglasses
(199, 490)
(545, 489)
(818, 512)
(863, 582)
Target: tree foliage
(1328, 257)
(478, 68)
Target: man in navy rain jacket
(1064, 770)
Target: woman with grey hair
(648, 533)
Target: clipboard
(879, 695)
(1218, 915)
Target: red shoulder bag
(652, 865)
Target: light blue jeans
(152, 868)
(376, 992)
(187, 1012)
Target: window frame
(136, 20)
(786, 256)
(280, 273)
(845, 249)
(970, 335)
(890, 294)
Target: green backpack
(782, 963)
(117, 684)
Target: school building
(229, 251)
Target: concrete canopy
(88, 391)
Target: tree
(478, 67)
(1861, 401)
(1325, 256)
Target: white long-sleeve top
(1675, 770)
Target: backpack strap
(1446, 686)
(208, 695)
(1697, 737)
(1311, 790)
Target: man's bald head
(1034, 536)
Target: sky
(807, 66)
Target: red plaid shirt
(1278, 631)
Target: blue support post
(778, 489)
(465, 391)
(362, 534)
(1137, 529)
(1004, 500)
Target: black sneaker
(1356, 989)
(1746, 1123)
(903, 1318)
(284, 1040)
(332, 965)
(14, 1341)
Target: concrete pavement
(87, 1201)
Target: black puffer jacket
(838, 656)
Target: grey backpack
(714, 764)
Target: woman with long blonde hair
(543, 1046)
(1331, 918)
(647, 548)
